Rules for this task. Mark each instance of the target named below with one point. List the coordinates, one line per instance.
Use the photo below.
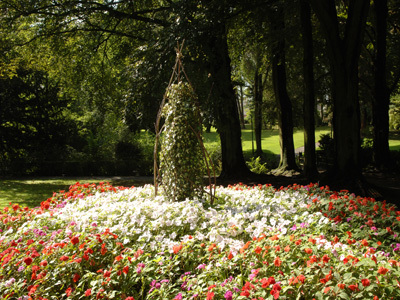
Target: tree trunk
(344, 55)
(241, 108)
(310, 166)
(258, 111)
(285, 119)
(226, 110)
(381, 100)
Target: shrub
(182, 164)
(257, 166)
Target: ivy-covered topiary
(182, 164)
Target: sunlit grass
(270, 139)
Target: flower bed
(299, 242)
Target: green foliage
(214, 151)
(181, 159)
(33, 127)
(257, 166)
(394, 113)
(326, 144)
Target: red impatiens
(365, 282)
(28, 260)
(382, 270)
(75, 240)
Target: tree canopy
(104, 66)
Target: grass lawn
(270, 139)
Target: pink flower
(228, 295)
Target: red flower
(382, 270)
(277, 261)
(365, 282)
(107, 273)
(103, 249)
(301, 278)
(326, 290)
(118, 258)
(258, 250)
(308, 250)
(276, 290)
(125, 269)
(88, 292)
(177, 248)
(353, 287)
(76, 277)
(245, 293)
(75, 240)
(129, 298)
(210, 295)
(326, 258)
(341, 286)
(266, 282)
(28, 260)
(293, 280)
(64, 258)
(68, 291)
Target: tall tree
(258, 99)
(310, 166)
(344, 52)
(278, 61)
(227, 117)
(381, 99)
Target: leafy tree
(33, 128)
(343, 50)
(145, 25)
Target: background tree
(278, 61)
(343, 51)
(310, 166)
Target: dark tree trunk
(344, 55)
(310, 166)
(241, 108)
(285, 119)
(381, 100)
(226, 110)
(258, 111)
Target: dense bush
(182, 161)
